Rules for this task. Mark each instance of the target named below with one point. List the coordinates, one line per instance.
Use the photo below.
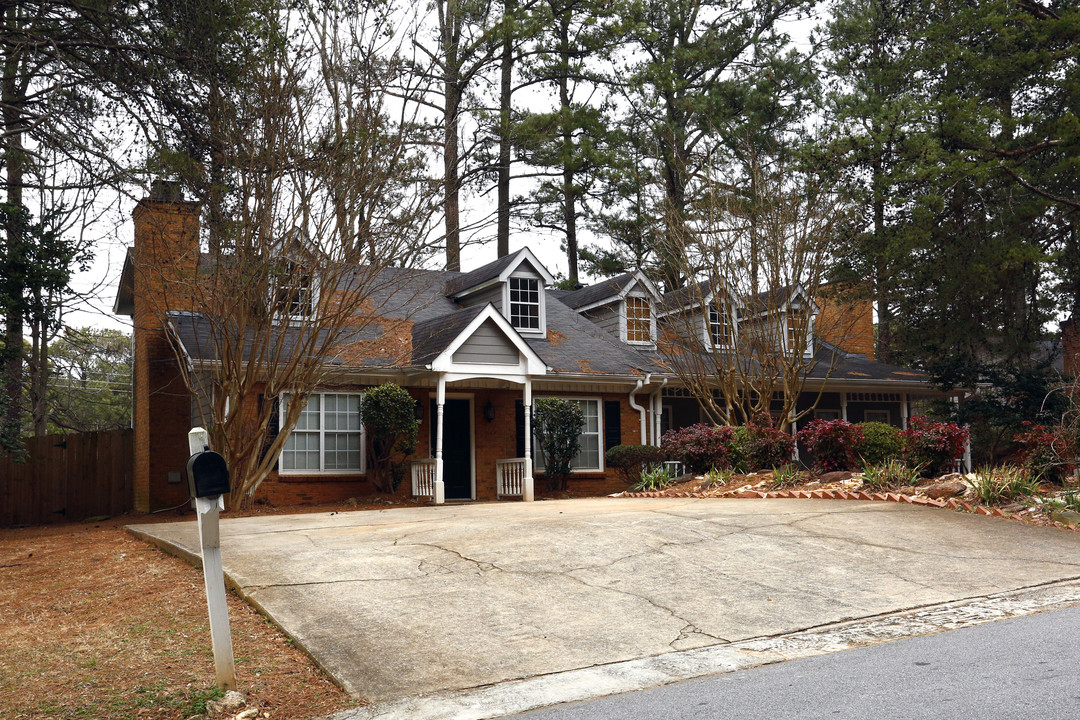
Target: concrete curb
(830, 494)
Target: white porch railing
(510, 477)
(423, 478)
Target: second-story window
(719, 326)
(295, 293)
(638, 320)
(525, 303)
(797, 331)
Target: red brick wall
(165, 259)
(846, 319)
(493, 441)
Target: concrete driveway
(399, 602)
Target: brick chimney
(164, 264)
(846, 318)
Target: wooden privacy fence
(68, 478)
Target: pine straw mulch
(97, 624)
(849, 486)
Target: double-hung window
(638, 320)
(328, 437)
(590, 456)
(719, 326)
(525, 303)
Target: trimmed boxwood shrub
(881, 442)
(933, 446)
(627, 460)
(389, 418)
(558, 426)
(700, 447)
(833, 443)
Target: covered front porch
(474, 430)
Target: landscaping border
(951, 503)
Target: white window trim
(280, 317)
(707, 334)
(624, 321)
(322, 445)
(538, 464)
(839, 413)
(540, 287)
(888, 415)
(808, 351)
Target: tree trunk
(505, 92)
(451, 179)
(15, 162)
(568, 189)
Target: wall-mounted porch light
(489, 412)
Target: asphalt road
(1010, 670)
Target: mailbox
(207, 475)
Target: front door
(457, 447)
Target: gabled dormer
(625, 306)
(783, 317)
(514, 284)
(704, 312)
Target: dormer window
(638, 320)
(294, 294)
(525, 303)
(719, 326)
(798, 332)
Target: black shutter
(612, 424)
(519, 421)
(271, 426)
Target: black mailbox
(207, 475)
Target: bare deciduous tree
(327, 189)
(745, 354)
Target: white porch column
(904, 411)
(527, 488)
(440, 400)
(843, 406)
(794, 430)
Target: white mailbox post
(206, 511)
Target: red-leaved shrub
(933, 446)
(834, 444)
(699, 447)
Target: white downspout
(657, 411)
(642, 411)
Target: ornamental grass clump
(833, 444)
(890, 474)
(993, 486)
(654, 479)
(786, 476)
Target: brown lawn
(97, 624)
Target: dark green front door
(457, 447)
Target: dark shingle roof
(431, 337)
(597, 292)
(479, 276)
(416, 317)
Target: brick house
(482, 345)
